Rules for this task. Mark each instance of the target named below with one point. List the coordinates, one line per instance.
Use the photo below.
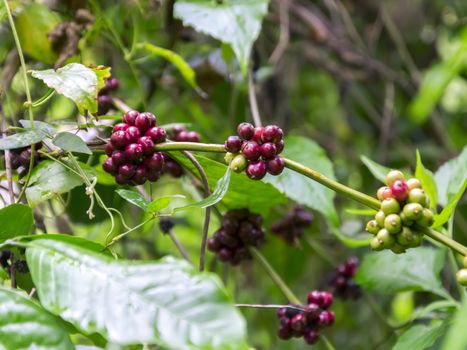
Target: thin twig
(284, 34)
(7, 160)
(207, 213)
(385, 130)
(252, 99)
(271, 306)
(179, 246)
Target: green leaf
(75, 81)
(26, 325)
(417, 269)
(420, 337)
(436, 80)
(162, 203)
(450, 177)
(257, 196)
(50, 179)
(35, 41)
(427, 179)
(71, 143)
(20, 226)
(134, 198)
(235, 22)
(448, 210)
(167, 302)
(456, 338)
(378, 171)
(300, 188)
(102, 73)
(216, 196)
(21, 139)
(48, 129)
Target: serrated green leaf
(166, 302)
(50, 179)
(237, 23)
(451, 176)
(26, 325)
(456, 338)
(71, 143)
(427, 179)
(162, 203)
(48, 129)
(448, 210)
(301, 189)
(134, 198)
(417, 269)
(420, 337)
(21, 225)
(75, 81)
(21, 139)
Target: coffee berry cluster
(307, 322)
(461, 275)
(291, 226)
(404, 208)
(239, 229)
(104, 100)
(20, 158)
(256, 150)
(131, 156)
(342, 283)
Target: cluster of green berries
(306, 321)
(256, 150)
(404, 208)
(461, 275)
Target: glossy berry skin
(153, 176)
(121, 180)
(110, 167)
(414, 183)
(133, 134)
(109, 149)
(413, 211)
(251, 150)
(157, 134)
(239, 163)
(119, 157)
(192, 136)
(372, 227)
(245, 131)
(327, 300)
(147, 145)
(155, 162)
(384, 193)
(268, 150)
(393, 176)
(417, 195)
(258, 134)
(400, 190)
(104, 103)
(127, 171)
(213, 245)
(256, 170)
(326, 318)
(298, 322)
(284, 333)
(272, 133)
(120, 126)
(393, 223)
(275, 166)
(311, 336)
(312, 311)
(130, 117)
(390, 206)
(134, 152)
(119, 139)
(145, 121)
(279, 146)
(315, 297)
(233, 144)
(173, 168)
(140, 176)
(112, 84)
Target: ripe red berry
(279, 146)
(213, 245)
(155, 162)
(157, 134)
(145, 121)
(326, 318)
(272, 133)
(245, 131)
(126, 171)
(251, 150)
(173, 168)
(147, 145)
(134, 152)
(268, 150)
(120, 126)
(140, 176)
(400, 190)
(121, 180)
(153, 176)
(109, 166)
(312, 311)
(284, 333)
(233, 144)
(112, 84)
(119, 139)
(192, 136)
(298, 322)
(109, 149)
(130, 117)
(258, 134)
(104, 103)
(315, 297)
(133, 134)
(276, 165)
(256, 170)
(327, 300)
(225, 254)
(119, 157)
(311, 336)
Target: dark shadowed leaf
(22, 139)
(16, 220)
(71, 143)
(420, 337)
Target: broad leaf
(235, 22)
(428, 181)
(48, 129)
(448, 210)
(26, 325)
(134, 198)
(456, 338)
(75, 81)
(162, 203)
(257, 196)
(167, 302)
(417, 269)
(50, 179)
(302, 189)
(420, 337)
(450, 177)
(102, 73)
(71, 143)
(376, 169)
(20, 225)
(22, 139)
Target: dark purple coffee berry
(327, 300)
(153, 176)
(256, 170)
(109, 166)
(268, 150)
(251, 150)
(225, 254)
(245, 131)
(104, 103)
(272, 133)
(134, 152)
(154, 162)
(25, 157)
(315, 297)
(119, 157)
(258, 135)
(298, 322)
(121, 180)
(133, 134)
(275, 166)
(326, 318)
(284, 333)
(144, 121)
(126, 171)
(312, 312)
(233, 144)
(157, 134)
(130, 117)
(109, 149)
(112, 84)
(311, 336)
(279, 146)
(166, 225)
(140, 176)
(192, 136)
(213, 245)
(119, 139)
(173, 168)
(147, 145)
(120, 126)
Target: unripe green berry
(397, 249)
(406, 237)
(405, 221)
(413, 211)
(461, 277)
(379, 217)
(413, 183)
(375, 244)
(392, 223)
(418, 236)
(372, 227)
(417, 195)
(393, 176)
(390, 206)
(239, 163)
(386, 239)
(228, 157)
(427, 218)
(465, 261)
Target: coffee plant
(166, 175)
